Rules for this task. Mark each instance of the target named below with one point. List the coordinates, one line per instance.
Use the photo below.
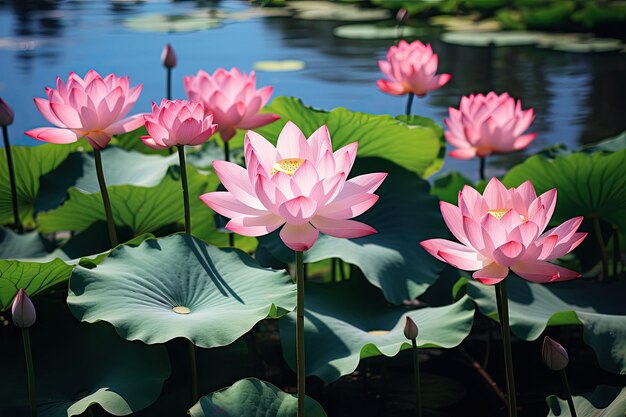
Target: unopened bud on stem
(554, 355)
(23, 310)
(410, 328)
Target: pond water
(578, 98)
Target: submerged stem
(409, 104)
(605, 257)
(416, 372)
(7, 149)
(194, 373)
(481, 168)
(30, 372)
(105, 198)
(183, 180)
(503, 310)
(568, 393)
(300, 364)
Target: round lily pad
(599, 307)
(465, 23)
(252, 397)
(509, 38)
(323, 10)
(279, 66)
(171, 23)
(375, 32)
(590, 45)
(348, 321)
(78, 365)
(604, 401)
(179, 286)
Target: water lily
(178, 122)
(93, 108)
(300, 184)
(484, 125)
(504, 229)
(232, 98)
(410, 69)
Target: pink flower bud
(168, 57)
(402, 15)
(410, 328)
(6, 113)
(554, 355)
(23, 310)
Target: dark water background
(578, 98)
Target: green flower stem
(416, 371)
(105, 198)
(7, 149)
(605, 257)
(30, 370)
(568, 393)
(342, 270)
(183, 180)
(300, 364)
(409, 104)
(231, 236)
(168, 81)
(481, 168)
(194, 372)
(616, 251)
(503, 310)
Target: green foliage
(604, 401)
(416, 147)
(80, 365)
(251, 398)
(599, 307)
(30, 163)
(223, 292)
(350, 320)
(588, 184)
(390, 259)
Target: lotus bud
(402, 16)
(23, 310)
(554, 355)
(410, 329)
(6, 113)
(168, 57)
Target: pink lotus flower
(177, 122)
(488, 124)
(502, 229)
(233, 99)
(411, 68)
(299, 182)
(92, 108)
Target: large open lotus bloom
(488, 124)
(410, 68)
(177, 122)
(93, 108)
(504, 229)
(300, 184)
(233, 99)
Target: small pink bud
(23, 310)
(554, 355)
(168, 57)
(6, 113)
(410, 328)
(402, 15)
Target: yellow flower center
(181, 310)
(288, 166)
(499, 213)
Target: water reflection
(577, 98)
